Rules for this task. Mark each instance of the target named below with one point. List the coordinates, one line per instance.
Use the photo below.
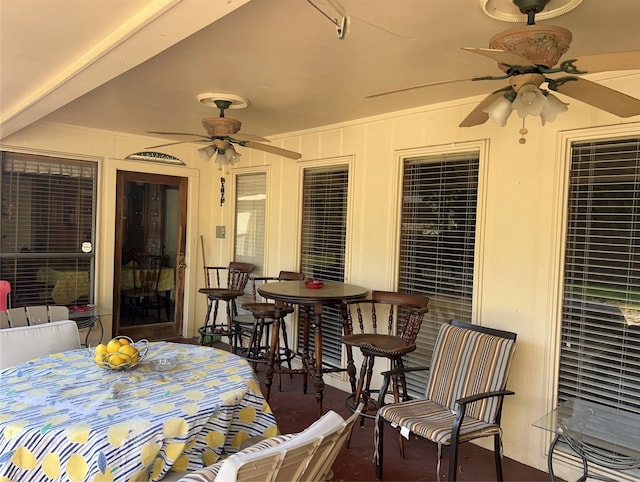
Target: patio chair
(376, 336)
(5, 295)
(24, 343)
(37, 315)
(58, 313)
(218, 291)
(17, 317)
(306, 456)
(144, 296)
(464, 395)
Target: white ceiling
(137, 65)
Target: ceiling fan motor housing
(541, 44)
(221, 126)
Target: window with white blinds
(437, 243)
(600, 344)
(250, 222)
(323, 243)
(47, 229)
(251, 206)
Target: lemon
(101, 349)
(99, 359)
(129, 353)
(113, 346)
(115, 360)
(124, 341)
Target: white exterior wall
(520, 235)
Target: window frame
(84, 162)
(430, 325)
(330, 350)
(559, 187)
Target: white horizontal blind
(600, 348)
(323, 243)
(437, 243)
(251, 205)
(48, 221)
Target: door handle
(182, 265)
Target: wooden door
(151, 212)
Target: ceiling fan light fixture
(499, 110)
(227, 157)
(529, 101)
(553, 106)
(206, 153)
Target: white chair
(4, 320)
(17, 317)
(58, 313)
(306, 456)
(37, 315)
(24, 343)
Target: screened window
(323, 243)
(437, 243)
(600, 344)
(47, 229)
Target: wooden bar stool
(373, 340)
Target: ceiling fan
(223, 134)
(528, 56)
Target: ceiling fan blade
(597, 95)
(477, 116)
(204, 139)
(272, 149)
(502, 56)
(178, 134)
(629, 60)
(420, 86)
(248, 137)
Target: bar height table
(296, 292)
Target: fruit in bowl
(120, 353)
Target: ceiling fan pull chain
(523, 132)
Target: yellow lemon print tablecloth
(63, 418)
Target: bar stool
(237, 278)
(408, 311)
(265, 315)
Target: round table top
(297, 292)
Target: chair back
(307, 456)
(469, 359)
(146, 273)
(5, 294)
(17, 317)
(58, 313)
(37, 315)
(238, 275)
(4, 320)
(21, 344)
(383, 309)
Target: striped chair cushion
(467, 362)
(434, 422)
(209, 473)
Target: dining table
(311, 297)
(64, 418)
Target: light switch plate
(221, 232)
